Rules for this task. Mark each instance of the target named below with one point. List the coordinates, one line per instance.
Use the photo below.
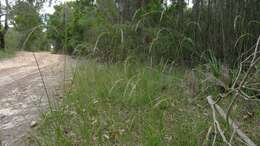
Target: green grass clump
(124, 104)
(6, 54)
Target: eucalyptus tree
(228, 27)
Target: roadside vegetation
(151, 67)
(147, 70)
(124, 104)
(6, 54)
(131, 103)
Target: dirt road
(22, 96)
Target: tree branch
(240, 133)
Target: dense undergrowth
(175, 32)
(131, 103)
(124, 104)
(193, 52)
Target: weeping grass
(124, 104)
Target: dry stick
(252, 88)
(43, 82)
(252, 64)
(215, 134)
(247, 97)
(240, 133)
(207, 136)
(254, 61)
(232, 136)
(217, 125)
(232, 104)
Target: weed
(124, 104)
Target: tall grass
(127, 102)
(124, 104)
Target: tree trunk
(6, 27)
(2, 41)
(2, 34)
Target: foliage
(173, 31)
(27, 21)
(133, 103)
(12, 39)
(6, 54)
(123, 104)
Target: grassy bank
(131, 104)
(6, 54)
(125, 104)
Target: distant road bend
(22, 96)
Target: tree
(4, 12)
(26, 20)
(127, 8)
(172, 31)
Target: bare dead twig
(207, 136)
(240, 133)
(217, 125)
(239, 89)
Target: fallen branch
(217, 126)
(240, 133)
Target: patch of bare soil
(22, 96)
